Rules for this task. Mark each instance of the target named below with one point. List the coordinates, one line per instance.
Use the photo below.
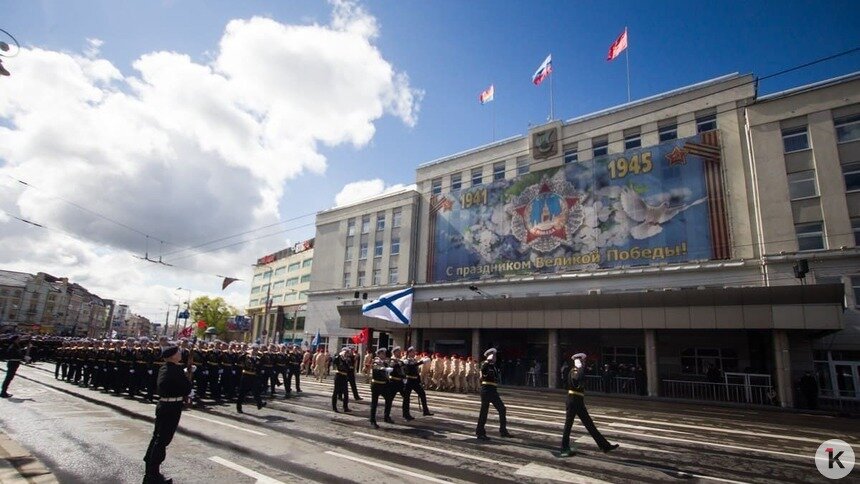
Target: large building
(278, 301)
(704, 234)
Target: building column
(782, 365)
(651, 376)
(552, 358)
(476, 344)
(415, 340)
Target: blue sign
(184, 314)
(657, 204)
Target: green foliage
(215, 311)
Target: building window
(306, 278)
(795, 139)
(278, 286)
(802, 185)
(347, 279)
(855, 226)
(280, 271)
(362, 251)
(380, 221)
(307, 263)
(624, 355)
(294, 266)
(600, 147)
(707, 122)
(851, 174)
(362, 279)
(395, 218)
(255, 289)
(668, 132)
(571, 155)
(365, 224)
(377, 249)
(253, 302)
(499, 171)
(855, 284)
(632, 140)
(435, 187)
(392, 275)
(257, 278)
(377, 277)
(292, 281)
(267, 275)
(697, 361)
(477, 176)
(303, 296)
(456, 181)
(350, 228)
(810, 236)
(349, 253)
(277, 299)
(522, 166)
(264, 288)
(847, 128)
(395, 245)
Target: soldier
(201, 374)
(278, 366)
(252, 378)
(173, 387)
(379, 385)
(490, 394)
(307, 362)
(213, 363)
(60, 362)
(295, 360)
(425, 370)
(368, 366)
(353, 362)
(576, 407)
(16, 352)
(319, 362)
(410, 369)
(232, 371)
(343, 366)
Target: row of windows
(376, 278)
(797, 139)
(378, 249)
(477, 176)
(810, 236)
(277, 286)
(295, 296)
(281, 270)
(396, 220)
(803, 184)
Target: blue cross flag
(394, 306)
(316, 341)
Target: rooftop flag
(487, 95)
(618, 46)
(543, 71)
(393, 306)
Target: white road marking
(261, 478)
(587, 438)
(439, 451)
(243, 429)
(80, 412)
(396, 470)
(538, 471)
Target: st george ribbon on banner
(394, 306)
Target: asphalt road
(90, 436)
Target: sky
(148, 127)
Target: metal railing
(619, 384)
(719, 392)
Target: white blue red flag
(487, 95)
(543, 71)
(394, 306)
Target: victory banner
(659, 204)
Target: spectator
(809, 390)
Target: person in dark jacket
(490, 395)
(173, 387)
(576, 408)
(15, 353)
(809, 390)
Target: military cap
(396, 348)
(381, 350)
(169, 351)
(580, 356)
(491, 351)
(411, 348)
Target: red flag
(186, 332)
(618, 46)
(227, 282)
(201, 324)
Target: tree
(214, 311)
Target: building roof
(14, 279)
(404, 190)
(810, 87)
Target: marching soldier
(294, 369)
(173, 388)
(353, 362)
(395, 379)
(16, 352)
(576, 408)
(213, 363)
(490, 394)
(413, 382)
(201, 374)
(252, 378)
(342, 365)
(379, 385)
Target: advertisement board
(657, 204)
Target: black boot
(388, 420)
(374, 424)
(610, 448)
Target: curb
(19, 466)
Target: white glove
(131, 371)
(115, 369)
(193, 368)
(220, 372)
(149, 372)
(577, 363)
(191, 395)
(389, 370)
(425, 359)
(205, 372)
(234, 372)
(27, 359)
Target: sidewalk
(18, 466)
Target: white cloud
(364, 189)
(184, 150)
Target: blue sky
(451, 50)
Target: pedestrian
(809, 390)
(16, 352)
(575, 382)
(490, 394)
(173, 387)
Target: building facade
(278, 301)
(705, 235)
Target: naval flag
(394, 306)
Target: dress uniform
(342, 365)
(252, 378)
(353, 362)
(213, 365)
(379, 385)
(576, 408)
(173, 387)
(295, 361)
(15, 353)
(413, 382)
(396, 380)
(490, 394)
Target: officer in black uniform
(576, 408)
(490, 394)
(395, 381)
(353, 362)
(173, 388)
(16, 352)
(294, 369)
(213, 361)
(342, 364)
(413, 382)
(252, 378)
(379, 383)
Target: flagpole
(627, 58)
(550, 97)
(493, 119)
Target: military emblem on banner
(546, 214)
(545, 144)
